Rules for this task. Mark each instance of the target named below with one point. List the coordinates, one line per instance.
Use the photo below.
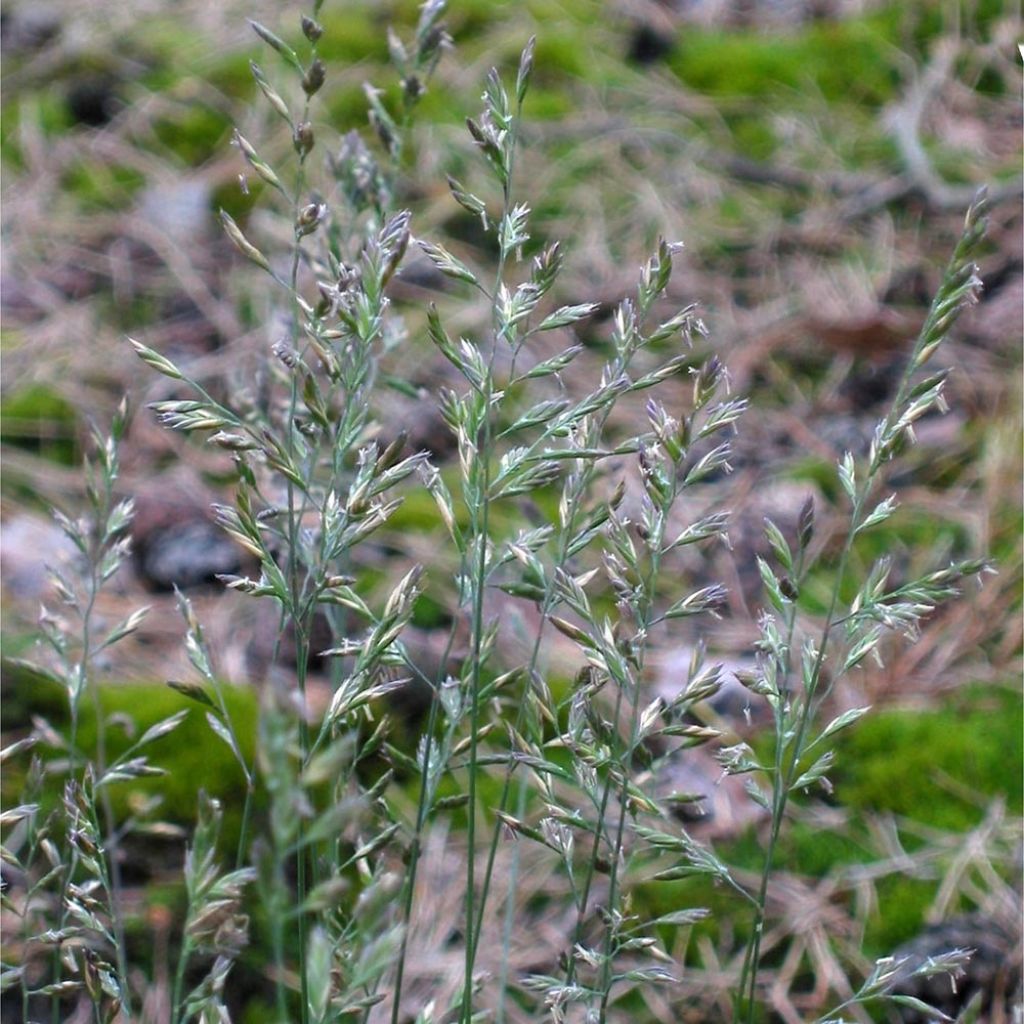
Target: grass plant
(323, 882)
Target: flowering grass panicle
(321, 889)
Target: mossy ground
(744, 93)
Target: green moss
(25, 692)
(561, 53)
(940, 768)
(547, 104)
(952, 164)
(924, 764)
(652, 899)
(194, 135)
(916, 541)
(228, 196)
(864, 147)
(753, 137)
(232, 76)
(802, 848)
(915, 530)
(11, 157)
(439, 107)
(192, 755)
(349, 37)
(579, 14)
(346, 109)
(47, 112)
(428, 613)
(915, 27)
(168, 48)
(39, 420)
(102, 186)
(902, 903)
(843, 62)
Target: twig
(903, 122)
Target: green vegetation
(193, 753)
(846, 63)
(553, 518)
(954, 760)
(38, 419)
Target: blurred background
(814, 157)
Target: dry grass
(838, 285)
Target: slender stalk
(780, 712)
(110, 878)
(280, 963)
(957, 289)
(303, 855)
(301, 628)
(75, 706)
(595, 852)
(243, 832)
(560, 561)
(415, 851)
(481, 534)
(645, 617)
(111, 862)
(178, 992)
(783, 781)
(510, 908)
(477, 627)
(96, 544)
(609, 953)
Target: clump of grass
(71, 899)
(332, 869)
(791, 674)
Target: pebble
(186, 555)
(28, 545)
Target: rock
(647, 45)
(175, 541)
(269, 649)
(722, 808)
(29, 27)
(93, 101)
(733, 702)
(180, 209)
(28, 545)
(186, 555)
(993, 974)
